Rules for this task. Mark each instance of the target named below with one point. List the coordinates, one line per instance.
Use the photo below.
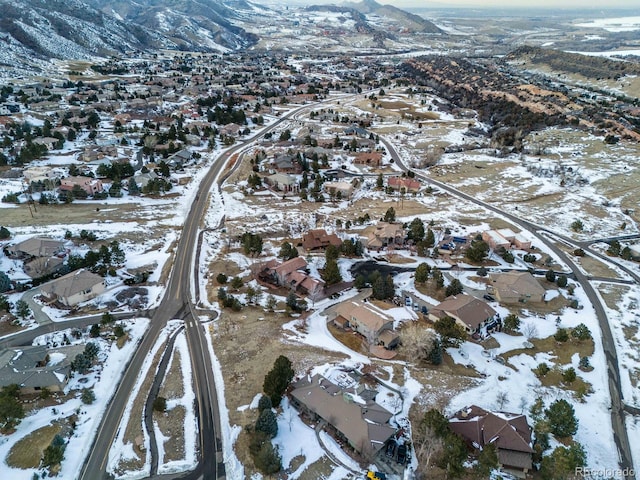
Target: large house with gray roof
(34, 368)
(73, 288)
(362, 424)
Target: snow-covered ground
(102, 380)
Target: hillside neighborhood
(265, 266)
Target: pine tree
(422, 273)
(5, 282)
(267, 423)
(278, 379)
(561, 419)
(331, 273)
(454, 288)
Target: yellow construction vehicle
(376, 476)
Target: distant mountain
(411, 22)
(196, 25)
(32, 32)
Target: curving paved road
(177, 303)
(617, 406)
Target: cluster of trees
(83, 362)
(477, 251)
(559, 420)
(105, 260)
(229, 301)
(11, 411)
(251, 244)
(424, 272)
(617, 250)
(382, 286)
(265, 456)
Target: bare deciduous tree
(417, 341)
(426, 446)
(529, 330)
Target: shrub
(581, 332)
(561, 335)
(160, 404)
(569, 375)
(541, 370)
(87, 396)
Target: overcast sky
(557, 4)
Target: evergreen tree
(267, 423)
(133, 187)
(278, 379)
(11, 410)
(454, 288)
(4, 233)
(264, 403)
(487, 460)
(435, 354)
(561, 419)
(331, 273)
(5, 305)
(390, 215)
(430, 238)
(512, 322)
(22, 309)
(5, 282)
(550, 275)
(450, 332)
(422, 273)
(477, 251)
(287, 251)
(563, 462)
(416, 230)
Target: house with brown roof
(509, 432)
(385, 234)
(88, 184)
(319, 239)
(363, 426)
(469, 312)
(407, 184)
(372, 159)
(372, 323)
(291, 274)
(515, 287)
(73, 288)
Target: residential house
(36, 247)
(469, 312)
(319, 239)
(369, 321)
(515, 287)
(143, 179)
(385, 234)
(49, 142)
(40, 174)
(363, 426)
(509, 432)
(291, 274)
(409, 185)
(344, 190)
(285, 164)
(73, 288)
(372, 159)
(283, 182)
(505, 238)
(495, 240)
(41, 266)
(34, 368)
(88, 184)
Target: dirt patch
(28, 451)
(134, 426)
(562, 351)
(171, 424)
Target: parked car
(391, 448)
(401, 457)
(376, 476)
(488, 297)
